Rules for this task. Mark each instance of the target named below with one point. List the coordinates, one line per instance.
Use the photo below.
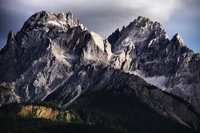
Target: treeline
(104, 111)
(124, 112)
(10, 122)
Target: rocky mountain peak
(11, 41)
(65, 16)
(11, 35)
(143, 22)
(177, 46)
(44, 25)
(54, 52)
(177, 38)
(47, 50)
(143, 48)
(46, 20)
(141, 32)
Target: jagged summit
(48, 19)
(55, 56)
(178, 38)
(52, 44)
(144, 49)
(140, 31)
(11, 35)
(177, 44)
(10, 42)
(47, 24)
(144, 21)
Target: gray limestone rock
(55, 58)
(143, 48)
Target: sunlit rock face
(45, 52)
(55, 58)
(143, 48)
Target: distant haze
(105, 16)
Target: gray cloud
(101, 16)
(104, 16)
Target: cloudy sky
(105, 16)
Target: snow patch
(158, 81)
(78, 88)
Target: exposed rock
(55, 58)
(94, 77)
(143, 48)
(45, 52)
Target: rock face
(55, 58)
(143, 48)
(45, 52)
(91, 78)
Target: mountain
(90, 113)
(55, 59)
(143, 48)
(45, 53)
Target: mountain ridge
(55, 58)
(152, 56)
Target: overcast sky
(105, 16)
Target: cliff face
(91, 79)
(45, 53)
(55, 58)
(144, 49)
